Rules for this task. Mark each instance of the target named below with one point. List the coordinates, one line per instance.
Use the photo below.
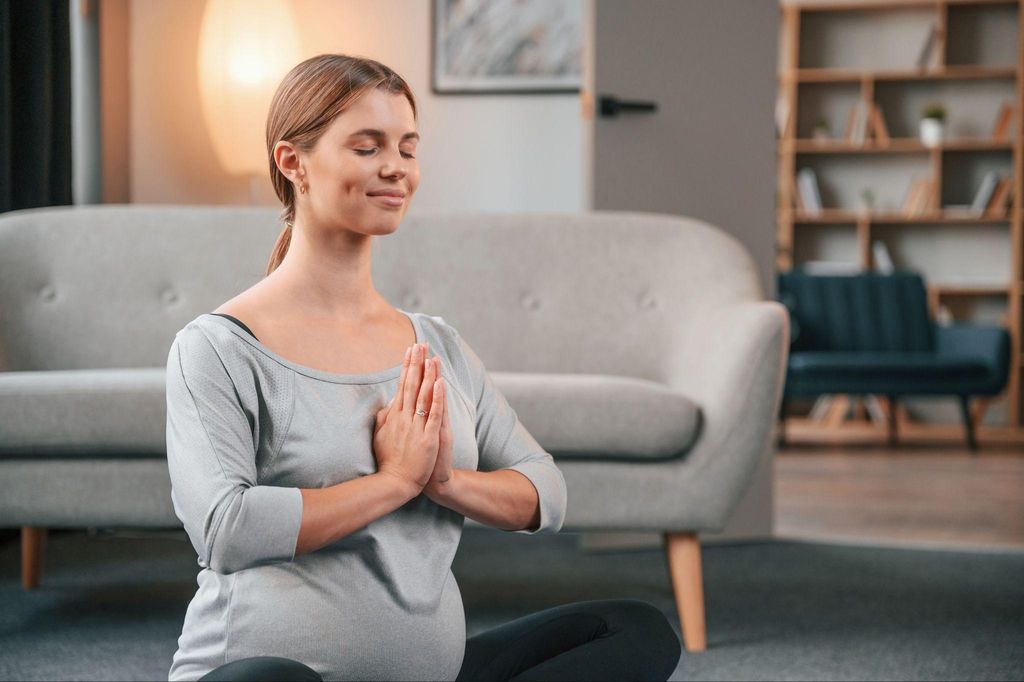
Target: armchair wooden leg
(965, 412)
(683, 553)
(33, 541)
(893, 421)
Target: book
(997, 204)
(924, 57)
(1002, 124)
(807, 183)
(857, 124)
(984, 193)
(919, 197)
(878, 129)
(883, 261)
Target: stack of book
(866, 122)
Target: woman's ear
(287, 159)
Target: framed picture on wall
(506, 46)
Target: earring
(302, 189)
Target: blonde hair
(309, 98)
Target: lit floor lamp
(245, 49)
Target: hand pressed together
(417, 449)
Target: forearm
(504, 498)
(329, 514)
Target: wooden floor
(916, 494)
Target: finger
(433, 425)
(400, 391)
(424, 399)
(413, 380)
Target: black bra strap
(238, 322)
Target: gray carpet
(110, 606)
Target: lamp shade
(245, 48)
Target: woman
(326, 496)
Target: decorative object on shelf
(867, 200)
(1002, 125)
(807, 186)
(933, 120)
(882, 258)
(822, 130)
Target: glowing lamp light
(245, 48)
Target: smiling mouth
(387, 200)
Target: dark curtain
(35, 104)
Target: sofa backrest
(861, 312)
(604, 292)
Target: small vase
(931, 132)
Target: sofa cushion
(83, 412)
(605, 417)
(883, 372)
(123, 412)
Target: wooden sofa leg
(683, 553)
(33, 541)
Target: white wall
(478, 152)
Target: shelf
(875, 5)
(897, 145)
(858, 75)
(838, 215)
(948, 290)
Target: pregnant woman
(325, 448)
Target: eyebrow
(373, 132)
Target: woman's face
(368, 149)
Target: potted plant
(867, 200)
(822, 131)
(933, 119)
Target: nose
(396, 165)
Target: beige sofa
(636, 347)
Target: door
(696, 135)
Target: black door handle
(610, 106)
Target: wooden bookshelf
(948, 74)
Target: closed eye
(366, 152)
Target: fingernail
(408, 352)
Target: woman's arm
(331, 513)
(505, 499)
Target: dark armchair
(871, 333)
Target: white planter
(931, 132)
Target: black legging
(605, 639)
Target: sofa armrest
(987, 342)
(733, 363)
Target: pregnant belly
(333, 613)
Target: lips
(387, 193)
(388, 200)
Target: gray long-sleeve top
(246, 429)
